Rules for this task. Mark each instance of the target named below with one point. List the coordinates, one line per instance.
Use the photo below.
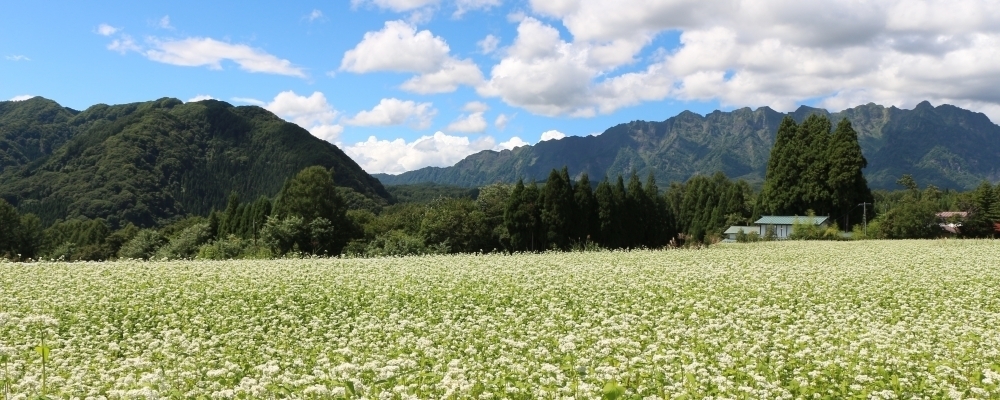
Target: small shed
(783, 225)
(736, 229)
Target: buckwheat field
(899, 319)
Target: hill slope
(946, 146)
(149, 162)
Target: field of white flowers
(910, 319)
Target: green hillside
(946, 146)
(147, 163)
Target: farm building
(736, 229)
(782, 226)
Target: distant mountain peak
(958, 149)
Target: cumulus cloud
(200, 97)
(314, 15)
(541, 73)
(511, 144)
(22, 97)
(452, 74)
(399, 47)
(393, 111)
(474, 122)
(196, 52)
(313, 113)
(398, 156)
(489, 44)
(551, 135)
(17, 57)
(106, 30)
(743, 52)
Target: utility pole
(865, 216)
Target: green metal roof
(736, 229)
(786, 220)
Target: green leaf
(43, 351)
(612, 390)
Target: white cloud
(124, 44)
(313, 113)
(501, 121)
(248, 100)
(314, 15)
(464, 6)
(22, 97)
(541, 73)
(195, 52)
(489, 44)
(399, 47)
(396, 5)
(17, 57)
(551, 135)
(749, 53)
(475, 106)
(200, 97)
(164, 23)
(393, 111)
(472, 123)
(511, 144)
(452, 74)
(106, 30)
(398, 156)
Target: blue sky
(403, 84)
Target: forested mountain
(147, 163)
(946, 146)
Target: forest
(814, 169)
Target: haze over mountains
(146, 163)
(946, 146)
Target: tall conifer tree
(814, 162)
(605, 213)
(848, 186)
(586, 211)
(781, 179)
(557, 208)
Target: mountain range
(945, 146)
(147, 163)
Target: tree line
(813, 170)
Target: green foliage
(523, 218)
(397, 243)
(143, 246)
(285, 235)
(186, 244)
(427, 192)
(558, 209)
(492, 202)
(704, 206)
(149, 163)
(308, 197)
(805, 228)
(811, 168)
(10, 221)
(457, 225)
(228, 248)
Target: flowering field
(914, 319)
